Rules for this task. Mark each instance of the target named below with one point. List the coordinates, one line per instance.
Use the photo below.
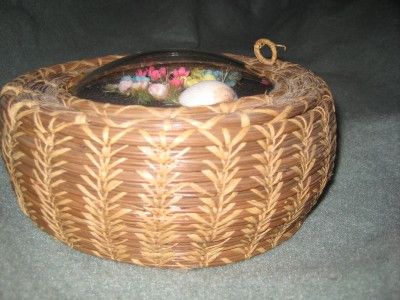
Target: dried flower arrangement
(162, 84)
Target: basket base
(279, 238)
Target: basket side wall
(214, 192)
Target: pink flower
(141, 72)
(124, 85)
(157, 74)
(154, 75)
(181, 72)
(163, 71)
(265, 82)
(158, 90)
(176, 82)
(178, 76)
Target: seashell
(207, 92)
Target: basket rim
(244, 102)
(67, 102)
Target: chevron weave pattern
(168, 187)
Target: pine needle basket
(169, 187)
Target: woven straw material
(168, 187)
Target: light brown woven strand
(174, 188)
(10, 133)
(272, 46)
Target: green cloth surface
(349, 246)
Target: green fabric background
(348, 248)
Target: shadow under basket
(160, 184)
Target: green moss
(173, 96)
(142, 97)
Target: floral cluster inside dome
(165, 84)
(171, 78)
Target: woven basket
(169, 187)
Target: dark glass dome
(158, 78)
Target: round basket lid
(160, 78)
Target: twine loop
(272, 46)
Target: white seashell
(207, 92)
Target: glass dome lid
(171, 79)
